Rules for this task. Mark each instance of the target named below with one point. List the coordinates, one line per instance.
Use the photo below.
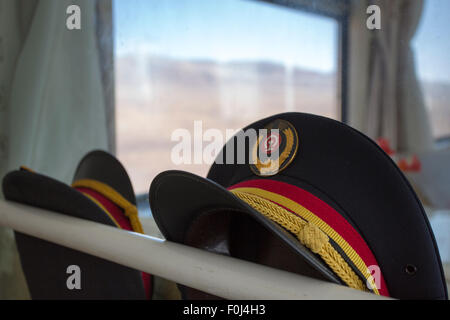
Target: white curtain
(62, 115)
(55, 110)
(383, 82)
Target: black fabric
(350, 172)
(101, 166)
(177, 198)
(45, 264)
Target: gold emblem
(274, 149)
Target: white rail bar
(219, 275)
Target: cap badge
(274, 149)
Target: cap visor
(177, 197)
(44, 263)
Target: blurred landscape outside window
(227, 63)
(432, 47)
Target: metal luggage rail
(219, 275)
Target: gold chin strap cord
(308, 234)
(130, 210)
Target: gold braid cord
(308, 234)
(130, 210)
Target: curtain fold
(62, 115)
(15, 18)
(392, 98)
(54, 111)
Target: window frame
(340, 11)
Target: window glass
(226, 63)
(432, 47)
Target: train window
(226, 63)
(432, 47)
